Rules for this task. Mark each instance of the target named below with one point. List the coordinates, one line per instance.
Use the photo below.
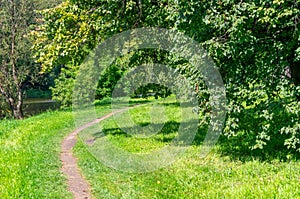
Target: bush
(263, 120)
(63, 89)
(37, 93)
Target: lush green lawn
(190, 176)
(29, 156)
(30, 165)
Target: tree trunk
(16, 105)
(18, 112)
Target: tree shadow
(167, 133)
(237, 147)
(131, 102)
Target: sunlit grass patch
(189, 176)
(29, 156)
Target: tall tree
(16, 65)
(17, 68)
(253, 43)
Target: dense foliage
(16, 65)
(18, 71)
(255, 45)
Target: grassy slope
(29, 156)
(30, 167)
(188, 177)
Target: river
(33, 106)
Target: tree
(88, 22)
(254, 43)
(15, 63)
(251, 42)
(17, 66)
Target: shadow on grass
(239, 149)
(108, 101)
(166, 134)
(135, 101)
(236, 147)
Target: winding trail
(77, 185)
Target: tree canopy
(18, 69)
(16, 64)
(255, 45)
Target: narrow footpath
(77, 185)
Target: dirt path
(76, 182)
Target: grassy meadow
(29, 156)
(30, 165)
(215, 176)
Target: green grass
(29, 156)
(191, 177)
(30, 165)
(140, 116)
(215, 176)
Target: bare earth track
(77, 185)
